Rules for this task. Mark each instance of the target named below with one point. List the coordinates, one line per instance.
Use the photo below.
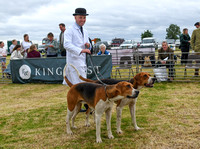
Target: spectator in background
(61, 39)
(51, 46)
(25, 45)
(185, 45)
(197, 24)
(195, 44)
(32, 52)
(16, 54)
(14, 43)
(3, 55)
(102, 48)
(166, 58)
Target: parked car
(41, 49)
(171, 43)
(127, 44)
(177, 43)
(159, 45)
(148, 42)
(116, 42)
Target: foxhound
(100, 98)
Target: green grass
(33, 116)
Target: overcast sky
(107, 18)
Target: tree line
(173, 32)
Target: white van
(127, 44)
(148, 42)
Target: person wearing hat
(195, 43)
(76, 43)
(197, 24)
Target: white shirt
(11, 47)
(26, 45)
(3, 52)
(16, 55)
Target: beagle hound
(142, 79)
(100, 98)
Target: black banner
(50, 70)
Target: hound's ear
(131, 81)
(113, 92)
(137, 77)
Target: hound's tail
(80, 77)
(64, 75)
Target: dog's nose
(137, 93)
(154, 79)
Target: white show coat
(74, 43)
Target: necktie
(81, 29)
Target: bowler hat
(80, 11)
(197, 23)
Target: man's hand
(51, 46)
(87, 45)
(86, 51)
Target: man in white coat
(76, 43)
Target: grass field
(33, 116)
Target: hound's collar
(105, 86)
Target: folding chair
(125, 63)
(193, 62)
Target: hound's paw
(69, 132)
(99, 140)
(138, 128)
(119, 131)
(74, 127)
(110, 137)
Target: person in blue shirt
(102, 48)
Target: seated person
(16, 52)
(102, 48)
(32, 52)
(166, 58)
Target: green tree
(146, 34)
(173, 32)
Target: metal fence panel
(128, 62)
(179, 68)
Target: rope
(92, 64)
